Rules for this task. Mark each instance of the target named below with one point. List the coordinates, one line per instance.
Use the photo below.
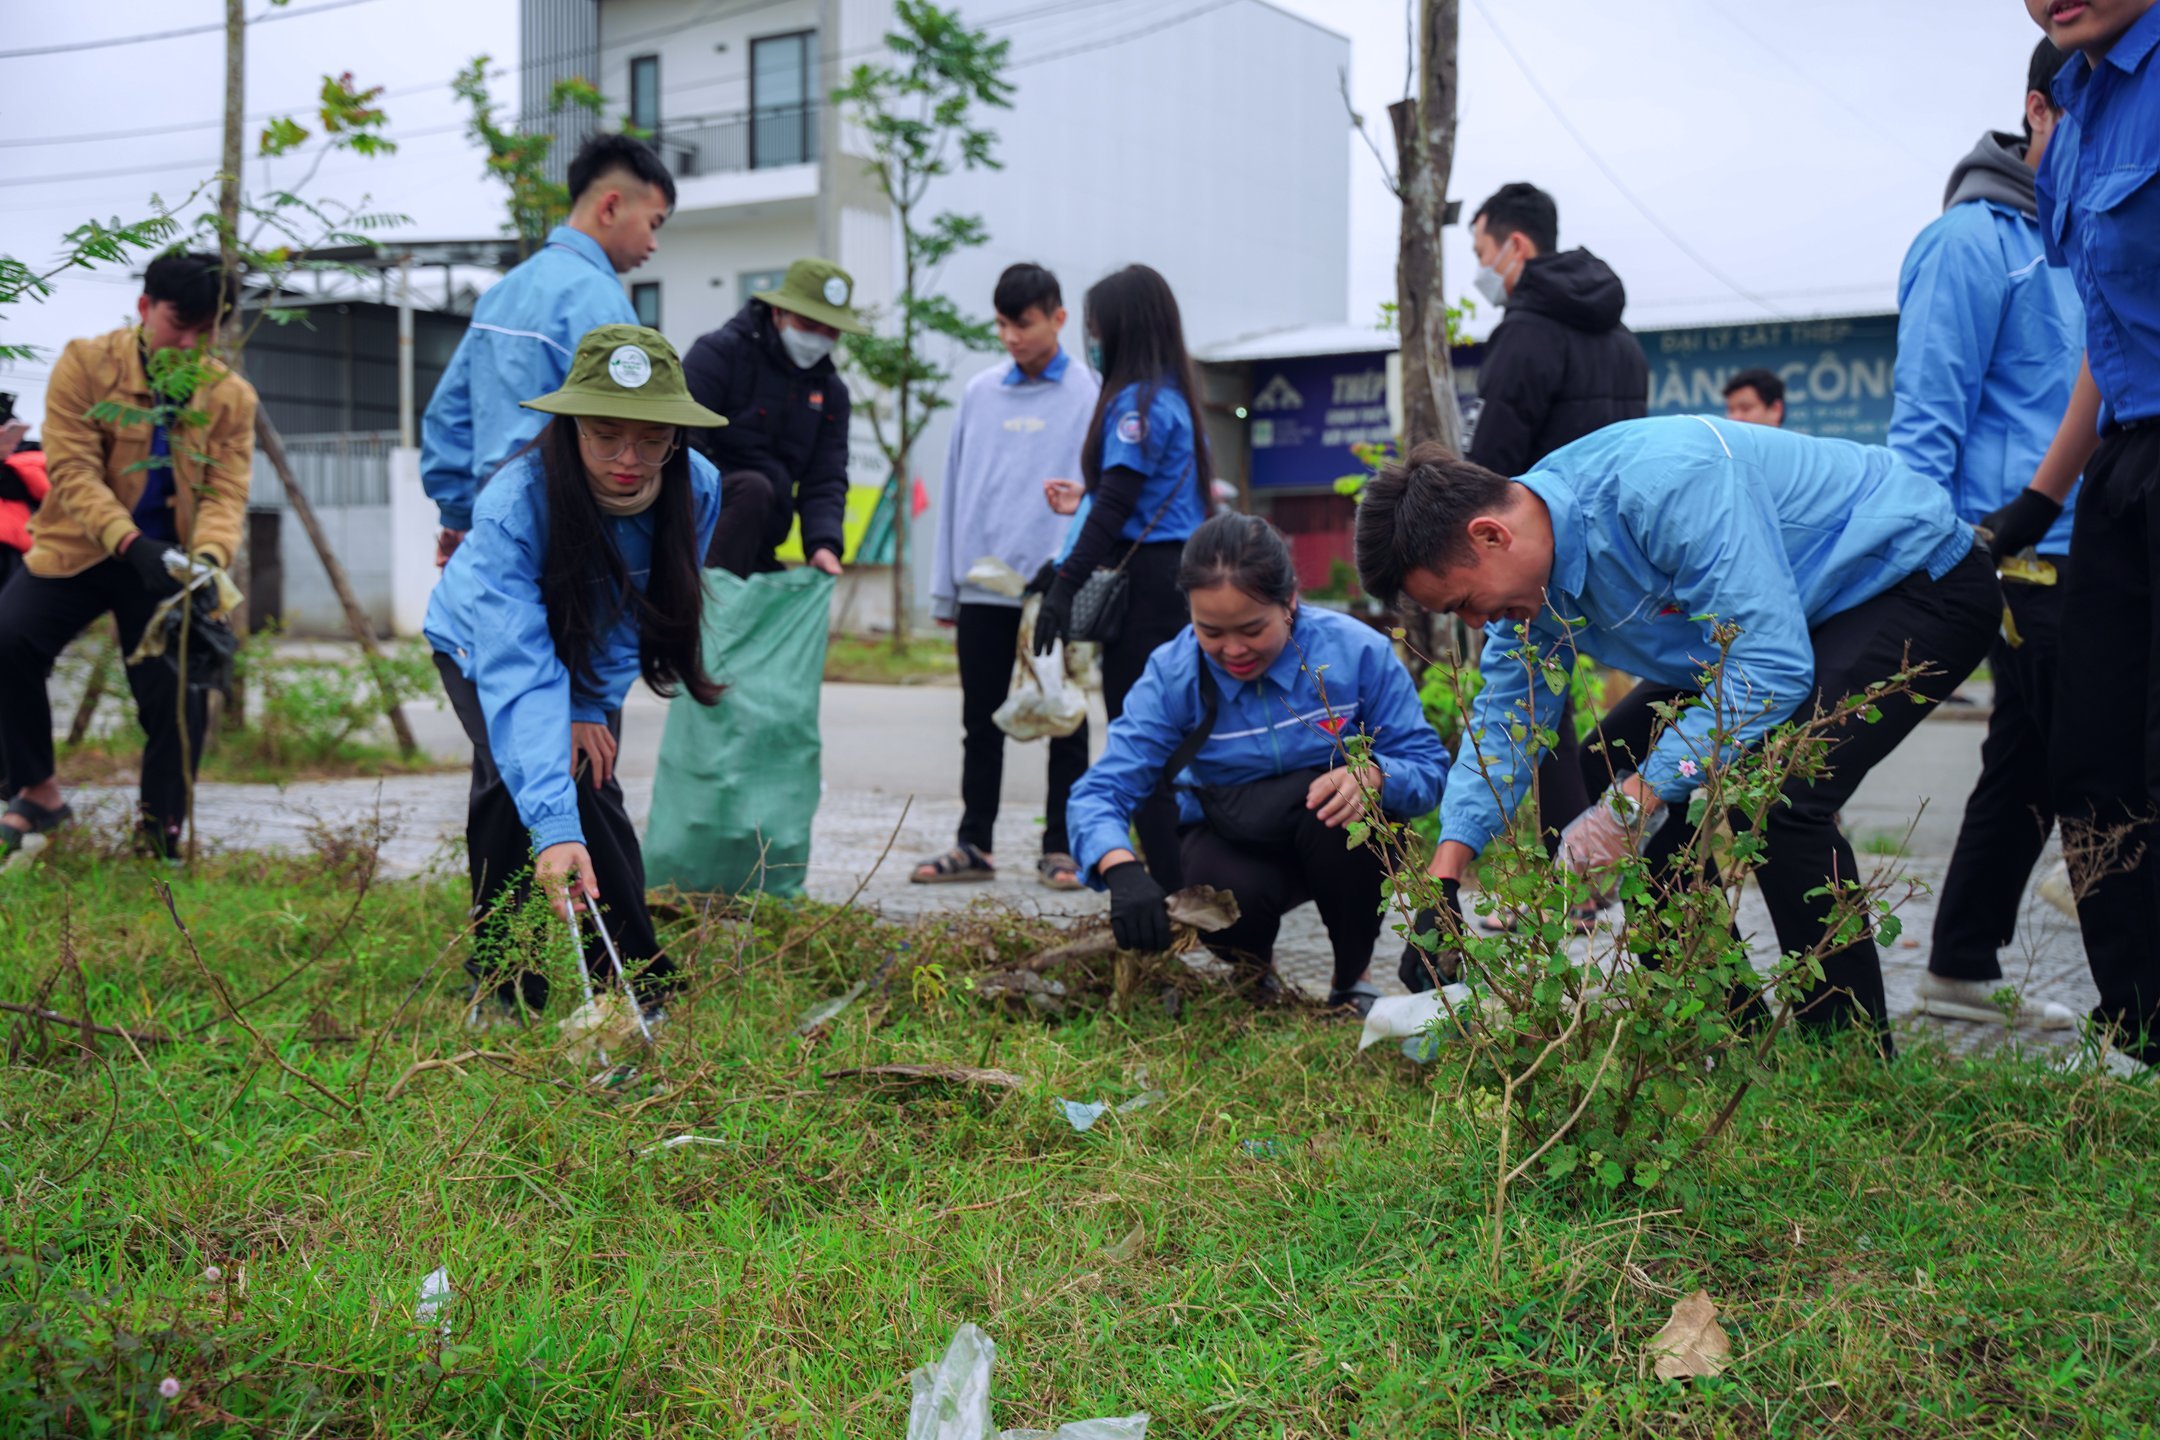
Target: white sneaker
(2123, 1067)
(1989, 1002)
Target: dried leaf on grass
(1193, 910)
(1134, 1242)
(956, 1074)
(1692, 1342)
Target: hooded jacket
(787, 423)
(1559, 365)
(1989, 337)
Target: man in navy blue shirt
(2099, 199)
(1989, 336)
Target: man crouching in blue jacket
(1839, 566)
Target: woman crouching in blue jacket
(1244, 715)
(579, 575)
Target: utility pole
(1425, 156)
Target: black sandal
(42, 821)
(1059, 871)
(963, 862)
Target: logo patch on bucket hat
(629, 366)
(836, 290)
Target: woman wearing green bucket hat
(580, 574)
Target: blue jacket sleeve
(1413, 762)
(1727, 560)
(1950, 304)
(446, 442)
(1160, 711)
(1492, 771)
(524, 689)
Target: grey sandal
(963, 862)
(1059, 871)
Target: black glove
(1138, 915)
(1044, 579)
(1054, 619)
(2021, 523)
(147, 556)
(1418, 965)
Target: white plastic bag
(951, 1400)
(1043, 700)
(999, 578)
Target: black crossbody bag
(1256, 814)
(1098, 607)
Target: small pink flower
(213, 1275)
(1690, 769)
(169, 1388)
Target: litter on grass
(951, 1400)
(827, 1011)
(1082, 1114)
(434, 1295)
(1400, 1017)
(676, 1142)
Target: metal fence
(758, 139)
(348, 471)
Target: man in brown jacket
(126, 490)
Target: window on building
(645, 93)
(753, 281)
(645, 299)
(783, 116)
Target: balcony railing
(760, 139)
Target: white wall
(697, 77)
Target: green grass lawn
(871, 659)
(1939, 1247)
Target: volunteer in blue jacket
(1147, 470)
(1839, 565)
(579, 576)
(1989, 336)
(526, 325)
(1243, 716)
(2099, 193)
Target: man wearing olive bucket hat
(580, 574)
(784, 451)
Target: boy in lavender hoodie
(1019, 425)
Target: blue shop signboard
(1306, 414)
(1837, 373)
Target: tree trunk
(273, 447)
(1425, 149)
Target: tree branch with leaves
(918, 113)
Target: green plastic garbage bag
(738, 781)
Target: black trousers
(1341, 881)
(499, 853)
(1153, 619)
(2012, 808)
(986, 637)
(751, 525)
(1942, 624)
(1564, 787)
(2105, 753)
(38, 617)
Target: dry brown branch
(54, 1017)
(217, 987)
(957, 1074)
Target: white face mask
(1488, 281)
(805, 347)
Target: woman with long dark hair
(1147, 472)
(580, 574)
(1242, 719)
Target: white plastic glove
(1613, 828)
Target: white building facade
(1208, 140)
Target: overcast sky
(1785, 157)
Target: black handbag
(1255, 814)
(1098, 606)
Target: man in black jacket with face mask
(784, 450)
(1559, 366)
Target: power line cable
(1612, 176)
(106, 44)
(169, 165)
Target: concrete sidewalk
(891, 749)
